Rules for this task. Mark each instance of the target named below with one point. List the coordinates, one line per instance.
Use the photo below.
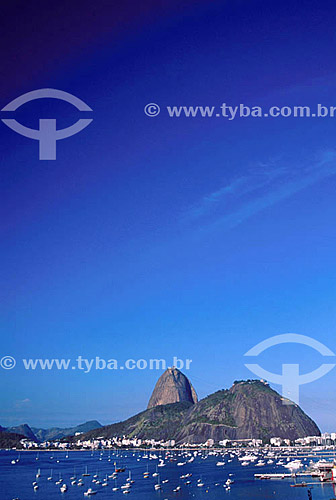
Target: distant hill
(160, 422)
(23, 430)
(59, 433)
(10, 439)
(36, 434)
(249, 409)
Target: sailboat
(105, 481)
(74, 475)
(86, 472)
(60, 480)
(156, 472)
(14, 461)
(89, 492)
(115, 486)
(158, 486)
(200, 483)
(51, 475)
(118, 469)
(146, 474)
(129, 479)
(63, 488)
(38, 474)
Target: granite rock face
(172, 387)
(249, 409)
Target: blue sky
(155, 237)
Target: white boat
(115, 486)
(247, 458)
(155, 474)
(89, 492)
(129, 479)
(200, 482)
(59, 481)
(63, 488)
(294, 465)
(158, 486)
(86, 472)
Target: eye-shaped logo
(290, 379)
(47, 134)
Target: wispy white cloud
(22, 402)
(263, 186)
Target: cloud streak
(22, 403)
(262, 187)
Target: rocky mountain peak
(250, 409)
(172, 387)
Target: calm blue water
(16, 480)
